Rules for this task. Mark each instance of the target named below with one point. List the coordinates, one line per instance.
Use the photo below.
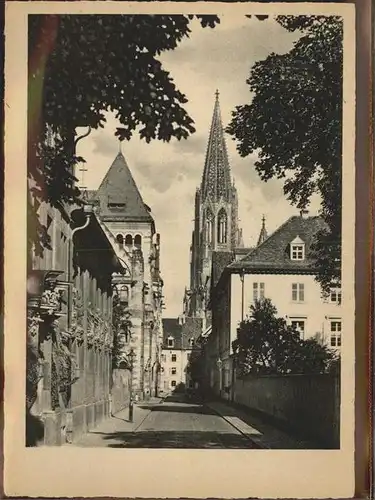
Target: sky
(167, 174)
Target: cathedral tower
(215, 217)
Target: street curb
(256, 444)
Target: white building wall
(167, 377)
(316, 312)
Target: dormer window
(191, 342)
(297, 249)
(170, 341)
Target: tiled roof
(273, 255)
(119, 196)
(181, 333)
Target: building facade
(69, 334)
(129, 222)
(179, 341)
(215, 220)
(281, 269)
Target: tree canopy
(81, 66)
(266, 344)
(294, 123)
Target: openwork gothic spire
(216, 181)
(263, 232)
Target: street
(172, 423)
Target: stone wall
(309, 404)
(120, 390)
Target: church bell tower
(215, 217)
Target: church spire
(216, 181)
(263, 232)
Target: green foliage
(81, 66)
(294, 123)
(266, 344)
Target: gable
(118, 195)
(274, 253)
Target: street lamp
(242, 276)
(220, 365)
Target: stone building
(281, 268)
(69, 337)
(129, 222)
(94, 312)
(179, 341)
(215, 220)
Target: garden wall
(309, 404)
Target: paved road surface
(175, 423)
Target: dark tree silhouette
(81, 66)
(266, 344)
(294, 123)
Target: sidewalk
(119, 423)
(263, 434)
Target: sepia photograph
(184, 294)
(189, 278)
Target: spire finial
(120, 146)
(263, 220)
(217, 94)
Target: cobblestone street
(170, 423)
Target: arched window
(120, 239)
(124, 294)
(222, 223)
(128, 240)
(138, 241)
(209, 220)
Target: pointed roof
(263, 232)
(119, 195)
(216, 181)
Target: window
(170, 341)
(120, 239)
(129, 240)
(336, 333)
(124, 294)
(173, 383)
(299, 325)
(297, 249)
(116, 206)
(335, 296)
(298, 292)
(174, 358)
(191, 342)
(173, 371)
(258, 291)
(209, 219)
(163, 357)
(138, 241)
(222, 227)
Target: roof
(118, 195)
(181, 332)
(273, 255)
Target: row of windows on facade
(128, 241)
(170, 342)
(173, 383)
(222, 227)
(334, 334)
(298, 293)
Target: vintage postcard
(179, 310)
